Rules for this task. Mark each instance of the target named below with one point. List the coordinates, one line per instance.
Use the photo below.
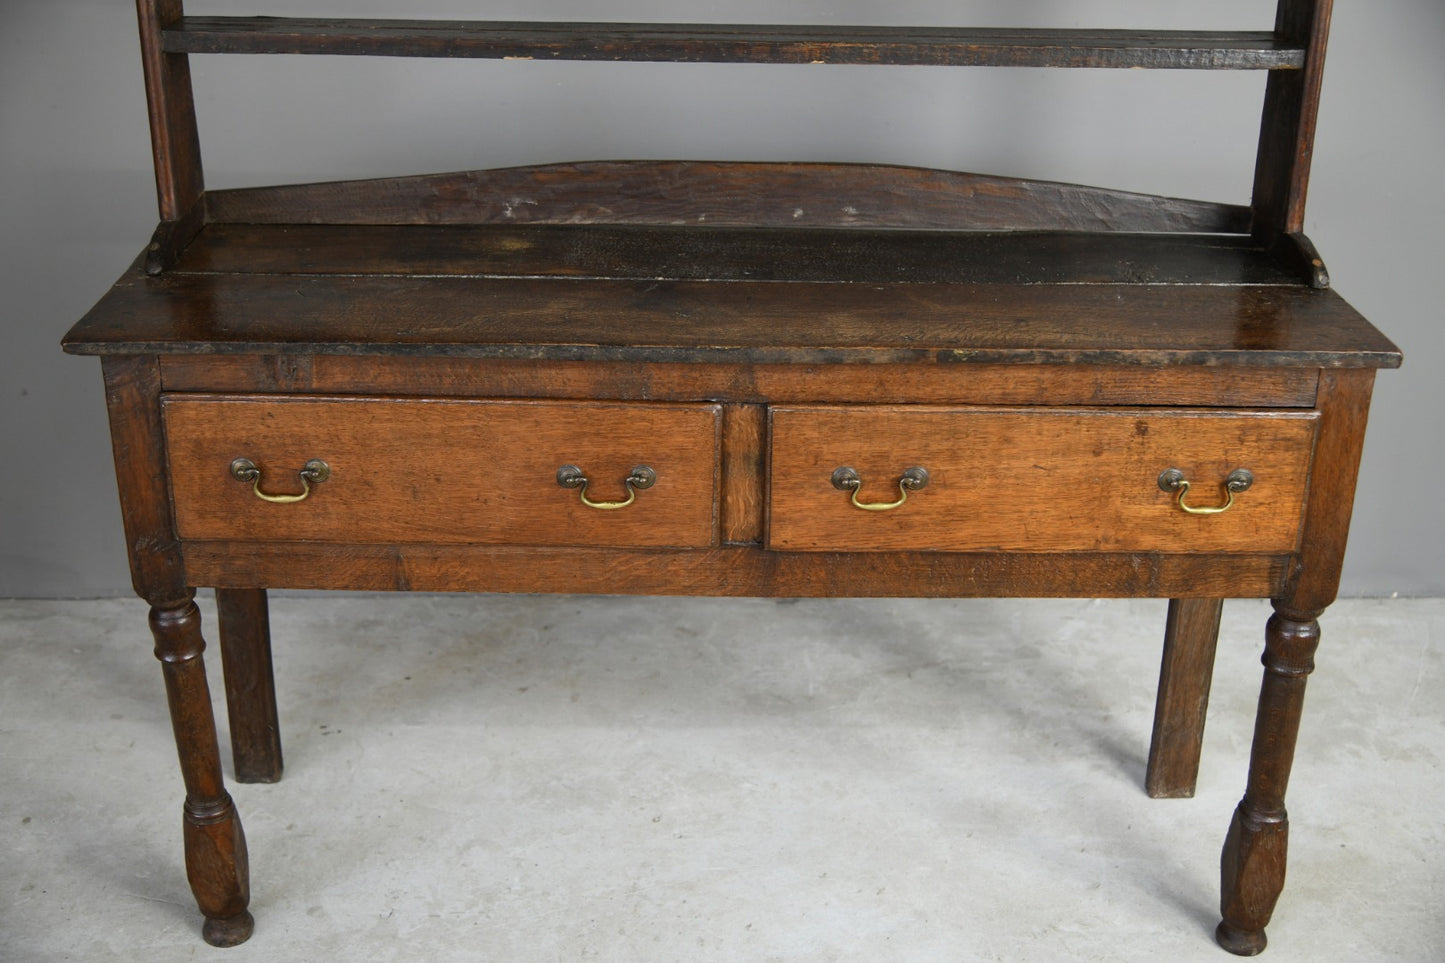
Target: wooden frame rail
(737, 43)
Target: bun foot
(1240, 942)
(232, 931)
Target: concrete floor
(533, 779)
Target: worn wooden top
(680, 281)
(775, 295)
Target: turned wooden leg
(215, 844)
(1253, 862)
(1191, 633)
(245, 632)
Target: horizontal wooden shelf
(631, 252)
(737, 43)
(774, 295)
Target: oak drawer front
(443, 471)
(1035, 479)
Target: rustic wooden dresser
(735, 379)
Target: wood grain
(1253, 860)
(215, 843)
(747, 322)
(726, 194)
(1287, 131)
(137, 437)
(736, 43)
(1191, 633)
(175, 141)
(444, 471)
(1035, 480)
(741, 571)
(1344, 410)
(852, 256)
(744, 447)
(243, 618)
(1022, 384)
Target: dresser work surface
(777, 380)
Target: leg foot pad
(1240, 942)
(232, 931)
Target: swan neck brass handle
(848, 480)
(1172, 480)
(314, 472)
(570, 476)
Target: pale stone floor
(535, 779)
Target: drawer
(443, 471)
(1038, 479)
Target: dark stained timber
(727, 194)
(733, 254)
(175, 138)
(735, 570)
(737, 43)
(750, 322)
(1291, 108)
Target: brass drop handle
(314, 472)
(570, 476)
(848, 480)
(1172, 480)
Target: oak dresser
(735, 379)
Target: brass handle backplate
(848, 480)
(570, 476)
(1172, 480)
(314, 472)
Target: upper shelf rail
(736, 43)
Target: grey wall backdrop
(77, 203)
